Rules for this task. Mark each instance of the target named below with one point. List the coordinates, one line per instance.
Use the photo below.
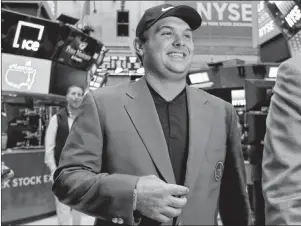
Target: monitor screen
(258, 94)
(200, 77)
(238, 97)
(273, 72)
(25, 74)
(79, 50)
(31, 36)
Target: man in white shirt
(56, 136)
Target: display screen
(238, 97)
(287, 15)
(30, 36)
(25, 74)
(79, 50)
(273, 72)
(267, 28)
(200, 77)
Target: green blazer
(117, 137)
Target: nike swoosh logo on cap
(168, 8)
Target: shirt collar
(158, 98)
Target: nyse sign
(267, 28)
(218, 17)
(219, 13)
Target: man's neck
(72, 111)
(166, 89)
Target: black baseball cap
(156, 13)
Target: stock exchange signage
(266, 27)
(287, 15)
(222, 18)
(226, 27)
(225, 14)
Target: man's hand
(158, 200)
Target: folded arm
(79, 180)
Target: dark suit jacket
(281, 179)
(117, 137)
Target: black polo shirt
(173, 116)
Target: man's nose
(179, 41)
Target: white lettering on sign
(47, 178)
(294, 16)
(5, 184)
(230, 11)
(266, 29)
(28, 44)
(78, 54)
(246, 12)
(234, 14)
(26, 181)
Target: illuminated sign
(287, 15)
(267, 28)
(294, 16)
(273, 72)
(28, 44)
(19, 70)
(225, 23)
(238, 97)
(80, 50)
(25, 74)
(219, 13)
(199, 77)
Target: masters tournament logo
(82, 45)
(20, 76)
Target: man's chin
(179, 70)
(76, 106)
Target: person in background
(56, 135)
(156, 150)
(281, 165)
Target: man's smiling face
(168, 49)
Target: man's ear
(138, 45)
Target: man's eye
(167, 33)
(187, 36)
